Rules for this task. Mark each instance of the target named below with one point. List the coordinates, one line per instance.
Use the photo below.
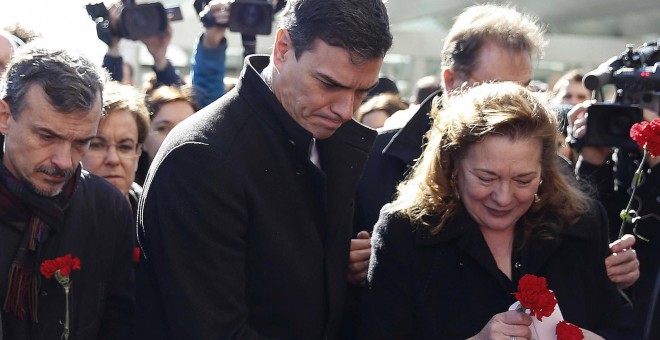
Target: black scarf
(34, 215)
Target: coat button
(43, 293)
(517, 265)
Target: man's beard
(52, 171)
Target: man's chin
(46, 190)
(322, 133)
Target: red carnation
(65, 264)
(568, 331)
(136, 255)
(647, 134)
(534, 295)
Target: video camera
(135, 21)
(636, 75)
(245, 16)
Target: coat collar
(407, 143)
(263, 101)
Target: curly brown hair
(502, 109)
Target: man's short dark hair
(71, 82)
(359, 26)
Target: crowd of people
(312, 201)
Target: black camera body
(253, 17)
(609, 124)
(142, 21)
(135, 21)
(636, 75)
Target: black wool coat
(244, 236)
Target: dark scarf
(34, 215)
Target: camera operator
(156, 45)
(611, 170)
(208, 61)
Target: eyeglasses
(124, 150)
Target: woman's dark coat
(448, 286)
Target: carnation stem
(635, 183)
(65, 334)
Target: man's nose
(62, 156)
(344, 106)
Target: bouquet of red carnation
(647, 136)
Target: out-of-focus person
(8, 45)
(208, 60)
(567, 92)
(569, 89)
(426, 87)
(156, 46)
(168, 106)
(486, 204)
(611, 171)
(378, 108)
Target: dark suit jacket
(448, 286)
(244, 236)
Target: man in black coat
(246, 216)
(52, 209)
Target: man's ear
(5, 115)
(448, 77)
(283, 44)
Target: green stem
(636, 182)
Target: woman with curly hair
(486, 204)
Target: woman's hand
(506, 326)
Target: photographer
(156, 45)
(610, 170)
(209, 55)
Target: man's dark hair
(71, 82)
(359, 26)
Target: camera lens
(139, 20)
(619, 125)
(252, 15)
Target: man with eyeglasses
(486, 43)
(50, 107)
